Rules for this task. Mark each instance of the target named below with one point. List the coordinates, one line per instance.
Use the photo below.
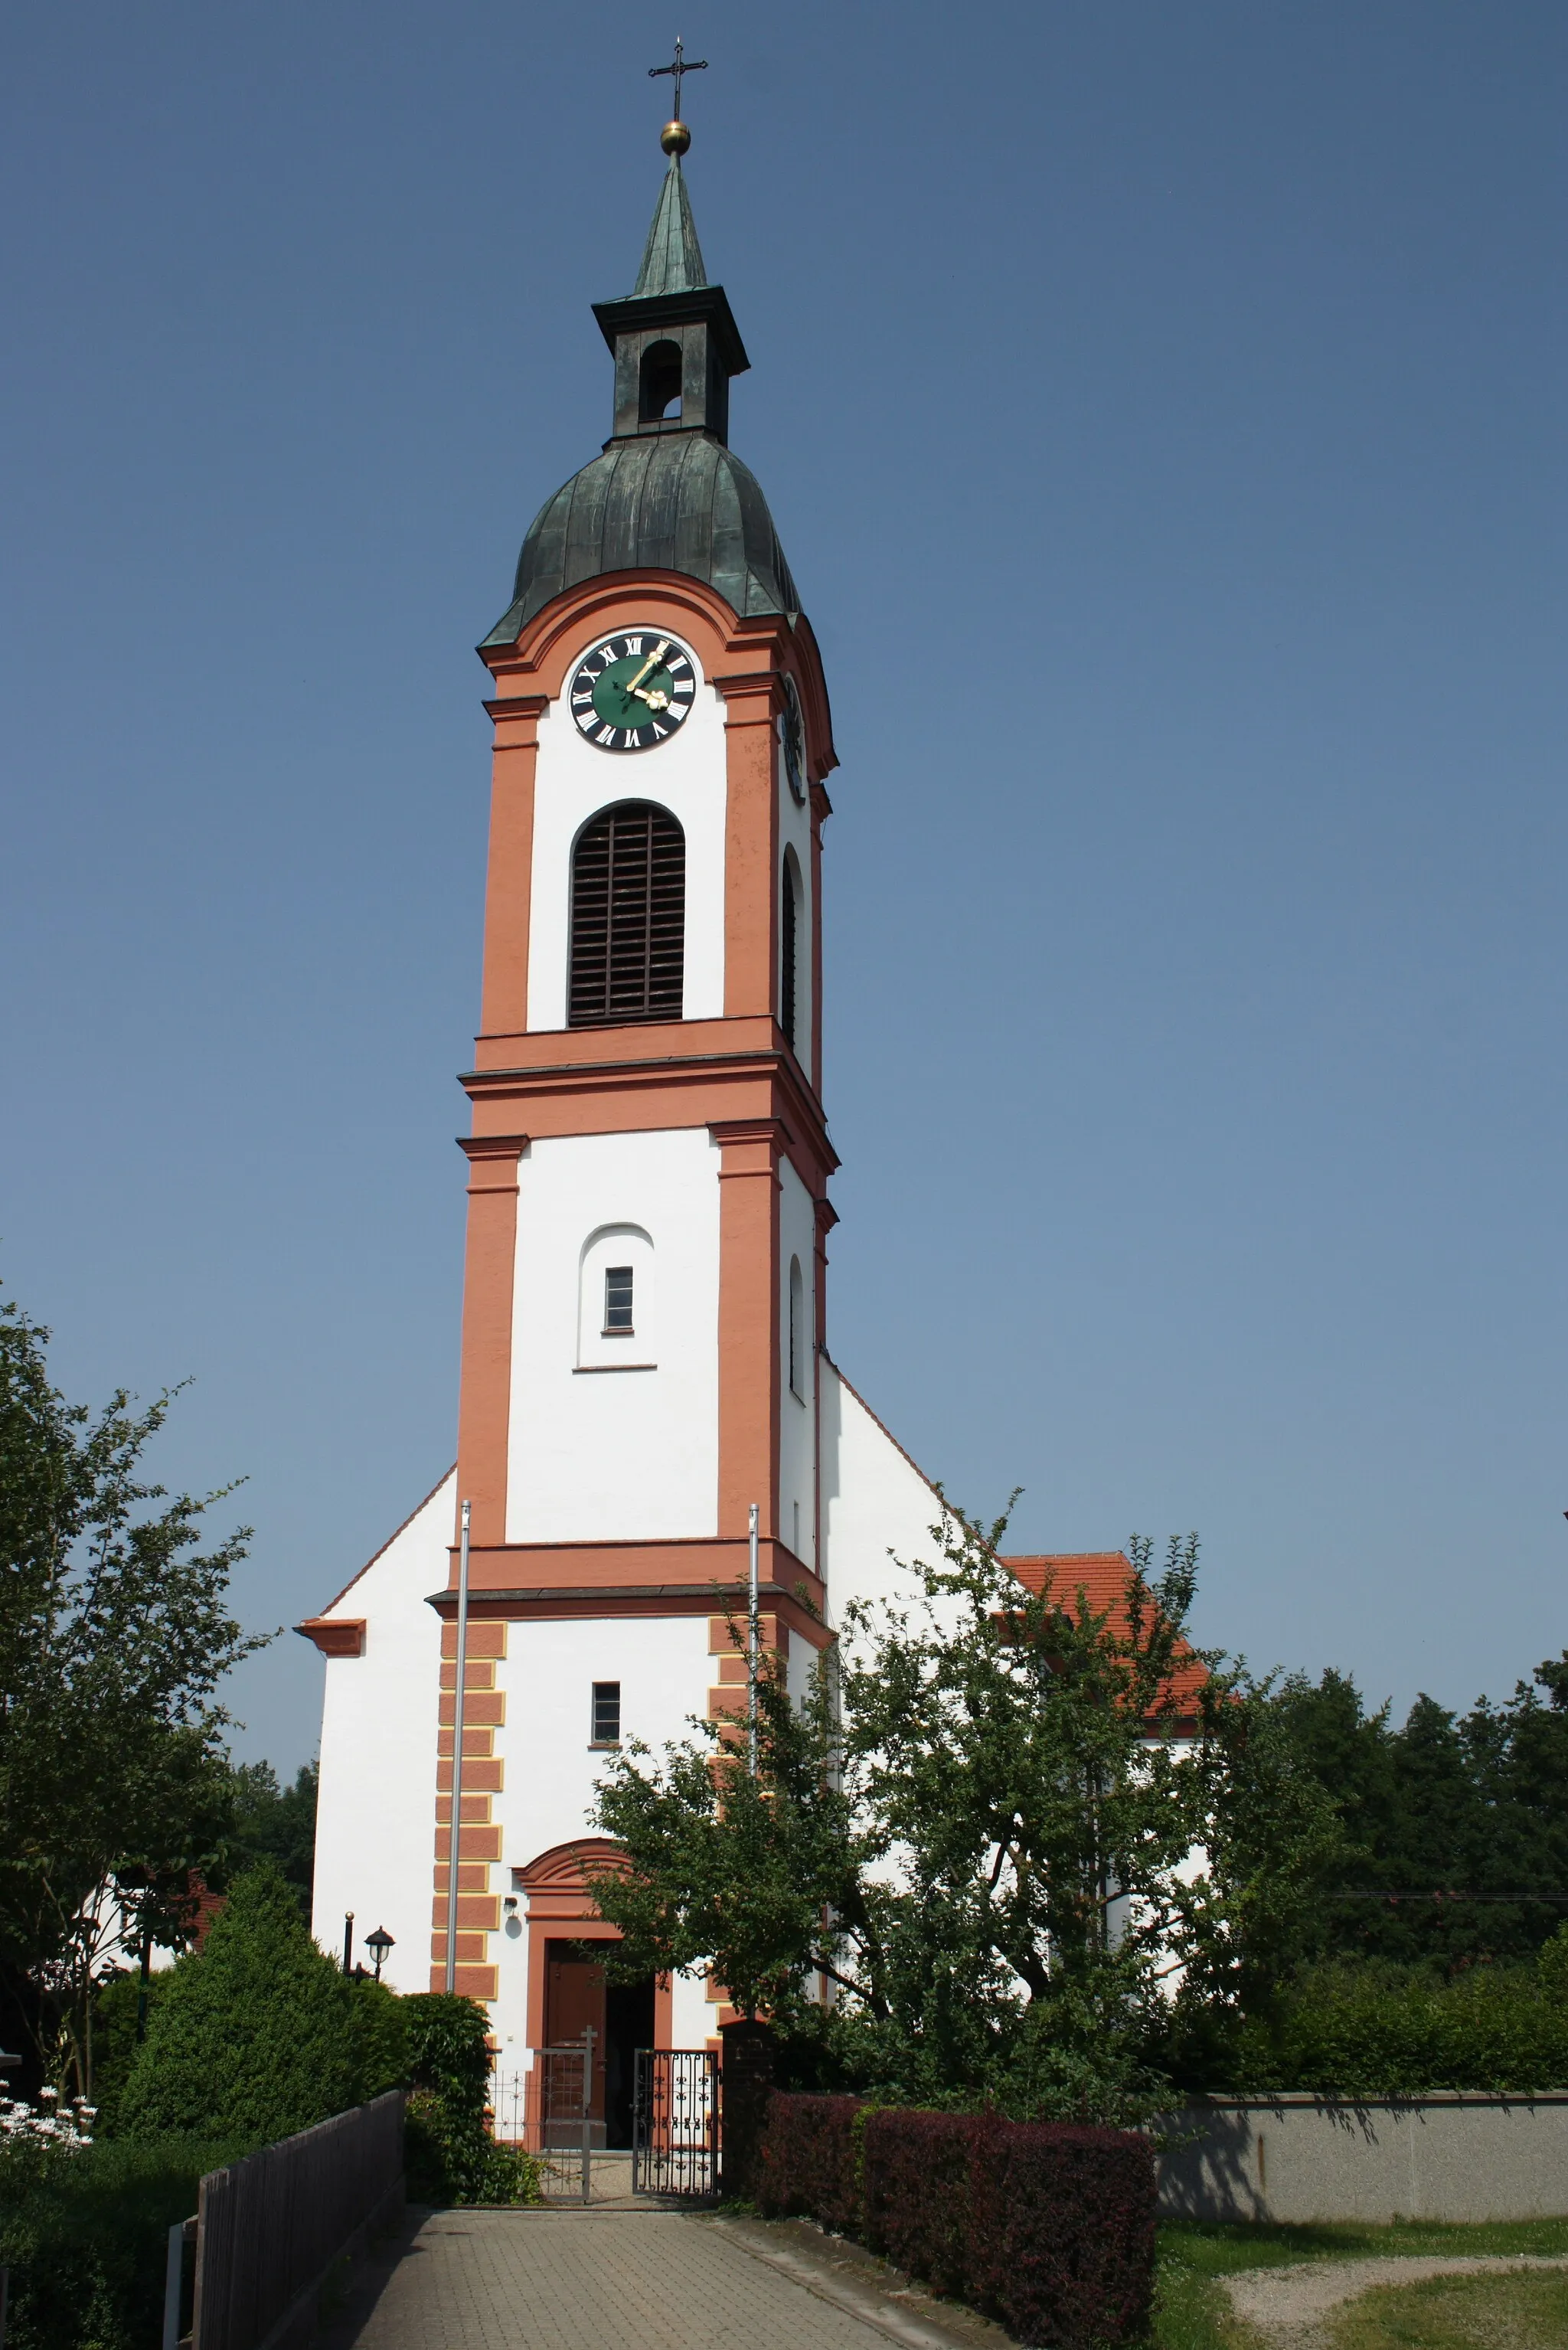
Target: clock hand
(654, 658)
(654, 699)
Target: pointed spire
(672, 259)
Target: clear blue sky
(1162, 409)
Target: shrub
(381, 2036)
(916, 2190)
(1374, 2032)
(1061, 2234)
(85, 2237)
(1046, 2226)
(450, 2154)
(809, 2161)
(115, 2001)
(257, 2035)
(448, 2041)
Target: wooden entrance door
(575, 1999)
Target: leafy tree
(259, 2034)
(1005, 1826)
(115, 1631)
(767, 1877)
(270, 1822)
(1446, 1817)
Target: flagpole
(752, 1630)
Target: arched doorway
(569, 1990)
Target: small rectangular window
(618, 1300)
(606, 1713)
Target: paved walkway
(647, 2280)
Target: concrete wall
(1448, 2156)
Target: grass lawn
(1192, 2311)
(1501, 2313)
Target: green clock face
(633, 691)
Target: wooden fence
(270, 2228)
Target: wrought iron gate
(675, 2122)
(565, 2130)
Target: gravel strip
(1285, 2305)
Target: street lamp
(379, 1944)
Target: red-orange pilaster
(751, 842)
(485, 1404)
(508, 884)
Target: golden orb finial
(675, 138)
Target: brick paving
(641, 2280)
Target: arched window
(658, 382)
(628, 918)
(789, 948)
(796, 1330)
(617, 1307)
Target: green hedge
(260, 2034)
(1366, 2032)
(449, 2152)
(86, 2238)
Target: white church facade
(644, 1351)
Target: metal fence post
(587, 2105)
(174, 2282)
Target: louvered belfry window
(790, 911)
(628, 918)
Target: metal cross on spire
(680, 67)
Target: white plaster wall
(375, 1835)
(794, 831)
(693, 2016)
(873, 1500)
(800, 1657)
(610, 1454)
(573, 781)
(548, 1792)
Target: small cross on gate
(697, 65)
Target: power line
(1444, 1895)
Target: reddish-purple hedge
(1048, 2227)
(809, 2161)
(1061, 2237)
(914, 2180)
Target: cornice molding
(335, 1636)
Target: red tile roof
(1102, 1577)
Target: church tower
(643, 1358)
(649, 1164)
